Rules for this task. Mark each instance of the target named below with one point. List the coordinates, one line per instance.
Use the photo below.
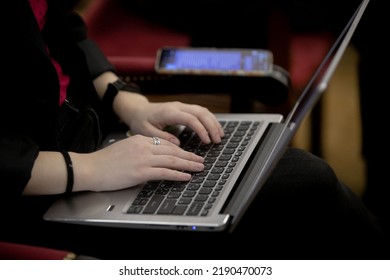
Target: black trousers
(303, 212)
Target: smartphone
(214, 61)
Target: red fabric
(39, 8)
(139, 65)
(129, 41)
(12, 251)
(63, 79)
(307, 51)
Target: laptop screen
(323, 73)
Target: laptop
(218, 197)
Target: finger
(205, 124)
(160, 141)
(213, 126)
(175, 151)
(156, 132)
(168, 174)
(168, 136)
(206, 130)
(189, 120)
(175, 163)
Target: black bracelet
(113, 89)
(69, 169)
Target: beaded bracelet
(69, 169)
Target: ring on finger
(156, 140)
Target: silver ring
(156, 140)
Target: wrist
(113, 90)
(127, 105)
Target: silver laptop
(236, 170)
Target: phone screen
(214, 61)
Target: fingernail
(201, 158)
(200, 166)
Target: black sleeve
(96, 60)
(17, 157)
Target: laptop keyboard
(197, 196)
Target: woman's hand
(123, 164)
(147, 118)
(135, 160)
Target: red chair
(306, 53)
(15, 251)
(128, 40)
(18, 251)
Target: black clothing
(303, 211)
(28, 112)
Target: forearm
(49, 175)
(101, 82)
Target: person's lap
(301, 213)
